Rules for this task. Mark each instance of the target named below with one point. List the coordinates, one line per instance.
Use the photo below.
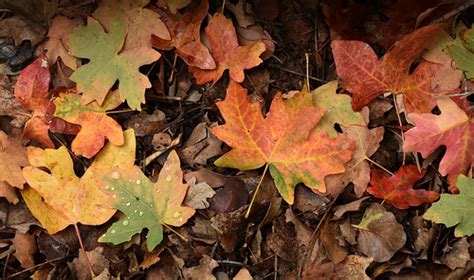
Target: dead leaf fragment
(201, 145)
(58, 42)
(203, 271)
(96, 257)
(456, 255)
(352, 268)
(198, 194)
(380, 235)
(25, 247)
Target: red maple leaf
(367, 77)
(398, 189)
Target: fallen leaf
(12, 158)
(255, 33)
(186, 38)
(8, 104)
(25, 248)
(329, 238)
(109, 63)
(367, 142)
(231, 197)
(148, 205)
(201, 145)
(173, 5)
(96, 126)
(367, 77)
(340, 210)
(352, 268)
(142, 22)
(243, 274)
(227, 53)
(79, 265)
(20, 29)
(462, 51)
(144, 123)
(59, 198)
(58, 41)
(283, 141)
(398, 189)
(203, 271)
(197, 194)
(455, 210)
(456, 255)
(380, 235)
(337, 109)
(453, 128)
(243, 13)
(32, 91)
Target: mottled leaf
(146, 204)
(398, 189)
(109, 63)
(455, 210)
(367, 77)
(453, 128)
(96, 126)
(59, 198)
(186, 37)
(227, 53)
(337, 108)
(462, 51)
(283, 140)
(142, 23)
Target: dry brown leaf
(58, 42)
(198, 194)
(80, 267)
(243, 274)
(25, 247)
(12, 158)
(203, 271)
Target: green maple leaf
(455, 210)
(462, 52)
(108, 64)
(148, 205)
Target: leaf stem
(256, 191)
(175, 232)
(89, 264)
(380, 166)
(397, 110)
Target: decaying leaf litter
(237, 139)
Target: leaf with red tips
(94, 122)
(285, 140)
(186, 37)
(227, 53)
(453, 128)
(398, 189)
(367, 77)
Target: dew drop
(135, 211)
(112, 189)
(114, 196)
(180, 219)
(113, 231)
(138, 182)
(140, 213)
(115, 175)
(128, 204)
(125, 223)
(157, 190)
(169, 178)
(176, 214)
(107, 187)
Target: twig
(89, 264)
(34, 266)
(298, 74)
(453, 12)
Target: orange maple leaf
(367, 77)
(227, 53)
(285, 140)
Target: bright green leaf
(455, 210)
(148, 205)
(107, 64)
(462, 52)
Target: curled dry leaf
(398, 189)
(57, 45)
(203, 271)
(367, 77)
(227, 53)
(147, 205)
(380, 235)
(284, 140)
(198, 194)
(186, 37)
(96, 126)
(352, 268)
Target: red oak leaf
(186, 38)
(227, 53)
(453, 128)
(367, 77)
(398, 189)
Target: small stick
(401, 124)
(34, 266)
(298, 74)
(89, 264)
(175, 232)
(380, 166)
(307, 71)
(256, 191)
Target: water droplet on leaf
(115, 175)
(125, 223)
